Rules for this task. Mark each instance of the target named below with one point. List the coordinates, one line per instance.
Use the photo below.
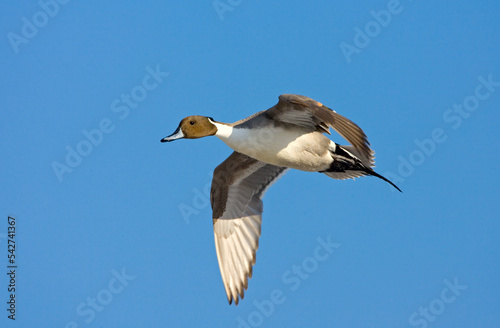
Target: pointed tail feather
(375, 174)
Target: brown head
(193, 127)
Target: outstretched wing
(310, 114)
(238, 186)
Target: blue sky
(114, 229)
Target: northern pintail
(266, 144)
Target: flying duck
(290, 134)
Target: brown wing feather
(308, 113)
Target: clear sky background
(423, 83)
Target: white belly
(280, 147)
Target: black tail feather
(375, 174)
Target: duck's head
(193, 127)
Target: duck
(289, 135)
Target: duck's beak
(174, 136)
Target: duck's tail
(349, 164)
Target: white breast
(278, 146)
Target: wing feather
(312, 115)
(237, 217)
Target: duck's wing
(238, 186)
(310, 114)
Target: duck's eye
(191, 122)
